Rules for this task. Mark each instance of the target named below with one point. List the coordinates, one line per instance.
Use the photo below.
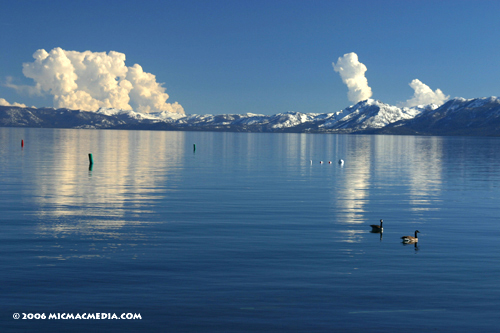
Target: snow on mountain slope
(459, 116)
(373, 114)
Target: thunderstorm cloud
(352, 73)
(91, 80)
(424, 95)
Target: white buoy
(311, 162)
(341, 161)
(320, 162)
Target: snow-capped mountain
(459, 116)
(480, 116)
(372, 114)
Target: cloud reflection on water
(130, 172)
(133, 170)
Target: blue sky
(272, 56)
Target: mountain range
(458, 116)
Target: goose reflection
(408, 240)
(377, 229)
(415, 245)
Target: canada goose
(377, 228)
(410, 239)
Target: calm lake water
(246, 234)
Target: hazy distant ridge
(479, 116)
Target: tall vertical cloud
(424, 95)
(352, 73)
(91, 80)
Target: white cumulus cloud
(91, 80)
(3, 102)
(424, 95)
(352, 73)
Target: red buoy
(22, 143)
